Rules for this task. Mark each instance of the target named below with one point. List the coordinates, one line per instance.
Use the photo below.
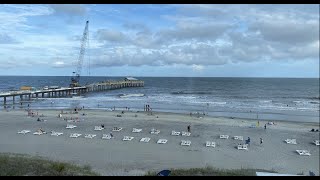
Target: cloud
(69, 9)
(6, 39)
(110, 36)
(197, 67)
(58, 64)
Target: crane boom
(76, 75)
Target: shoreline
(118, 157)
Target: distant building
(130, 79)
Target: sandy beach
(118, 157)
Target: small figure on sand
(261, 140)
(265, 126)
(188, 128)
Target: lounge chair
(210, 144)
(127, 138)
(135, 130)
(224, 136)
(98, 128)
(316, 142)
(175, 133)
(117, 129)
(145, 139)
(238, 138)
(53, 133)
(242, 147)
(39, 133)
(106, 136)
(291, 141)
(162, 141)
(24, 132)
(70, 126)
(90, 136)
(303, 152)
(186, 133)
(155, 131)
(185, 143)
(75, 135)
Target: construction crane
(84, 41)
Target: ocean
(286, 99)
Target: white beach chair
(185, 133)
(185, 143)
(98, 128)
(135, 130)
(117, 129)
(24, 132)
(162, 141)
(243, 147)
(53, 133)
(303, 152)
(238, 138)
(70, 126)
(145, 139)
(39, 133)
(175, 133)
(90, 136)
(291, 141)
(224, 136)
(106, 136)
(127, 138)
(75, 135)
(316, 142)
(155, 131)
(210, 144)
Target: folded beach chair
(39, 133)
(186, 133)
(243, 147)
(90, 136)
(238, 138)
(175, 133)
(155, 131)
(127, 138)
(145, 139)
(162, 141)
(75, 135)
(70, 126)
(291, 141)
(134, 130)
(24, 132)
(210, 144)
(185, 143)
(106, 136)
(303, 152)
(316, 142)
(98, 128)
(224, 136)
(117, 129)
(53, 133)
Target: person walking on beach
(261, 140)
(265, 126)
(188, 128)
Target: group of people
(147, 107)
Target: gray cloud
(70, 9)
(110, 36)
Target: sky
(170, 40)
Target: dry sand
(117, 157)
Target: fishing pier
(69, 91)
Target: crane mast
(76, 75)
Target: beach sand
(117, 157)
